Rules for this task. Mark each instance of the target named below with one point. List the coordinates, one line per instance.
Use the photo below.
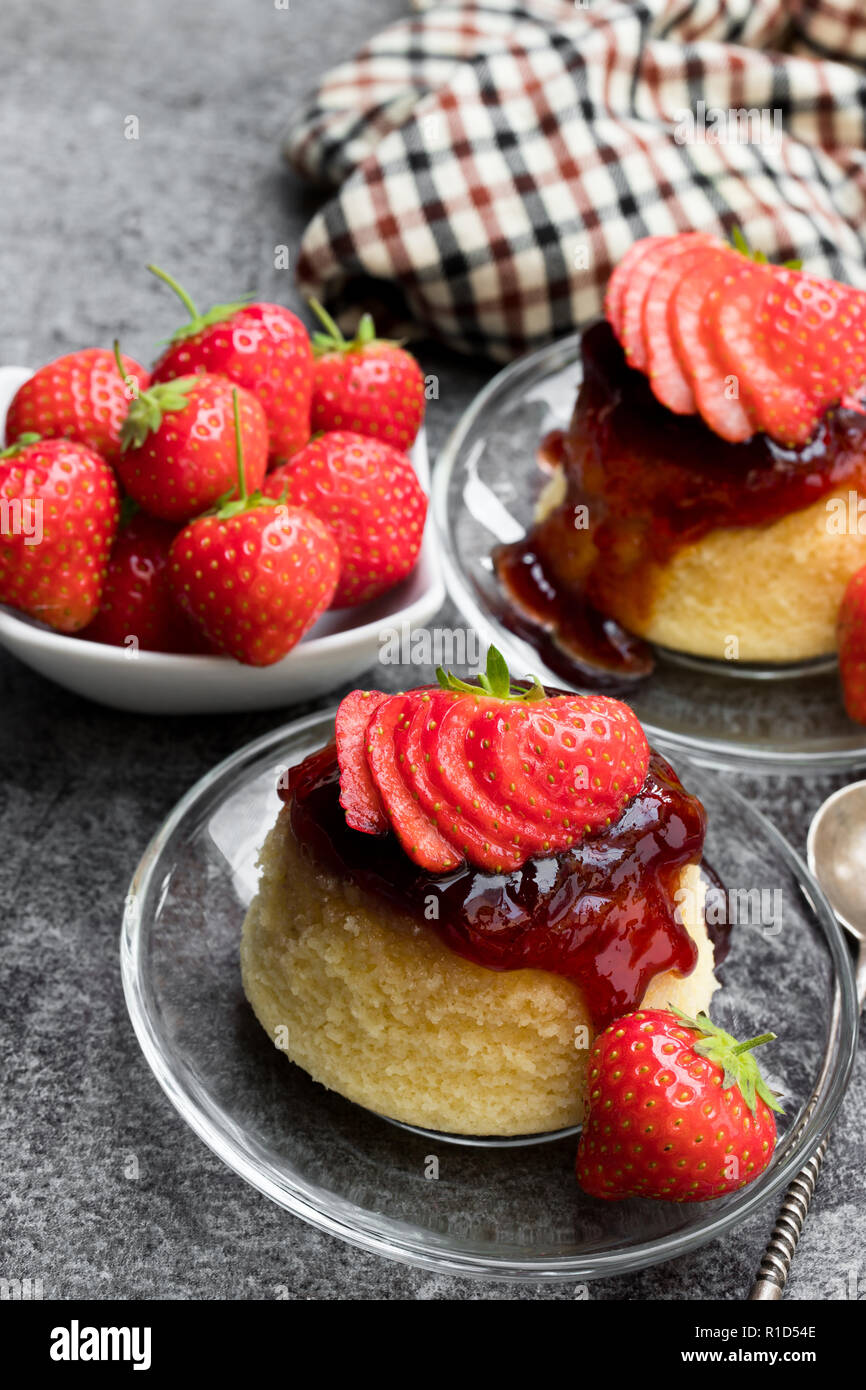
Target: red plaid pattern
(496, 158)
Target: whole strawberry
(256, 574)
(80, 396)
(678, 1110)
(262, 347)
(59, 508)
(368, 493)
(368, 384)
(137, 599)
(178, 450)
(851, 635)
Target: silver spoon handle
(776, 1262)
(775, 1266)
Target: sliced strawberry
(614, 300)
(420, 755)
(488, 772)
(749, 345)
(527, 777)
(412, 825)
(732, 318)
(724, 413)
(459, 751)
(632, 337)
(358, 794)
(569, 765)
(668, 380)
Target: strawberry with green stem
(259, 346)
(366, 384)
(256, 573)
(79, 396)
(678, 1110)
(177, 441)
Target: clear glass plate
(504, 1212)
(485, 488)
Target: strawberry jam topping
(650, 482)
(602, 913)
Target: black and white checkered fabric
(494, 159)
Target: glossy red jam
(650, 482)
(602, 914)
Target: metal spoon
(836, 852)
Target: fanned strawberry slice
(614, 299)
(568, 766)
(733, 310)
(494, 774)
(358, 794)
(749, 345)
(633, 335)
(410, 822)
(462, 744)
(696, 349)
(667, 378)
(449, 803)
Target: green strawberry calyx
(735, 1058)
(740, 244)
(22, 442)
(495, 681)
(240, 500)
(218, 314)
(333, 339)
(145, 414)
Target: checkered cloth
(495, 158)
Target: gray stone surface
(202, 191)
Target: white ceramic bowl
(341, 645)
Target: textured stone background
(82, 789)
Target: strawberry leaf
(498, 680)
(758, 257)
(739, 1067)
(22, 442)
(146, 413)
(495, 681)
(334, 340)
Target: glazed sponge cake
(375, 1006)
(775, 588)
(730, 551)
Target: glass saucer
(479, 1141)
(485, 488)
(504, 1212)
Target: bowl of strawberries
(233, 529)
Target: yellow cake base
(766, 593)
(376, 1007)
